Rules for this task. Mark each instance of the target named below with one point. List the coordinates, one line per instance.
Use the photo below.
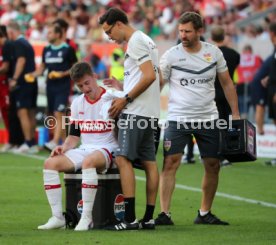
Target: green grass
(23, 206)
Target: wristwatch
(128, 99)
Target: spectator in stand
(9, 14)
(271, 82)
(23, 18)
(232, 59)
(98, 66)
(25, 93)
(57, 58)
(64, 26)
(7, 102)
(249, 64)
(259, 93)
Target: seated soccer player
(94, 154)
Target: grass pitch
(23, 206)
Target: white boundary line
(189, 188)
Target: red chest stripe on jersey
(89, 186)
(49, 187)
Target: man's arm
(230, 93)
(147, 78)
(162, 81)
(19, 67)
(70, 142)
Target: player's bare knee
(89, 163)
(212, 166)
(171, 164)
(50, 164)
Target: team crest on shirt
(167, 145)
(208, 57)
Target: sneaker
(186, 160)
(225, 163)
(124, 226)
(5, 148)
(84, 224)
(50, 145)
(147, 225)
(209, 219)
(164, 219)
(53, 223)
(271, 162)
(33, 149)
(24, 148)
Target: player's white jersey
(95, 131)
(191, 79)
(140, 49)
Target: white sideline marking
(189, 188)
(220, 194)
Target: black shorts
(57, 98)
(25, 96)
(177, 136)
(136, 138)
(271, 105)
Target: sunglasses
(108, 32)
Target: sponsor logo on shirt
(186, 82)
(95, 126)
(51, 60)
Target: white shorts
(79, 154)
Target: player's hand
(116, 107)
(236, 117)
(113, 83)
(12, 84)
(58, 150)
(264, 82)
(29, 78)
(55, 75)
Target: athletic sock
(53, 191)
(149, 212)
(203, 213)
(89, 190)
(130, 209)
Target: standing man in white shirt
(136, 112)
(190, 68)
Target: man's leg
(128, 186)
(167, 185)
(152, 178)
(91, 163)
(259, 117)
(59, 132)
(26, 125)
(209, 188)
(52, 186)
(209, 182)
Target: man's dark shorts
(25, 96)
(136, 138)
(176, 137)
